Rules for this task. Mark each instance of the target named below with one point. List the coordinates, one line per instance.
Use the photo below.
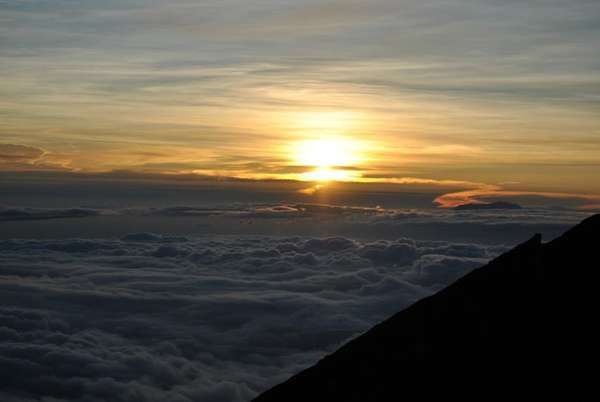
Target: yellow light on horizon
(324, 174)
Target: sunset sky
(201, 198)
(496, 96)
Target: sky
(500, 97)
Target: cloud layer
(151, 317)
(281, 219)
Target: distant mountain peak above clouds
(520, 325)
(491, 205)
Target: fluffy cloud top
(156, 318)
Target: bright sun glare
(330, 157)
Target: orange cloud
(25, 157)
(474, 196)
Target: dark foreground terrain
(523, 326)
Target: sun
(327, 152)
(331, 158)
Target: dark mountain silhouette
(521, 327)
(491, 205)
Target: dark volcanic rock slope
(521, 325)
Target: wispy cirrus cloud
(25, 157)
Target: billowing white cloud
(153, 317)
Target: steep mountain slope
(523, 325)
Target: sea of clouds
(170, 317)
(158, 318)
(507, 227)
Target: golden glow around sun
(332, 158)
(325, 123)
